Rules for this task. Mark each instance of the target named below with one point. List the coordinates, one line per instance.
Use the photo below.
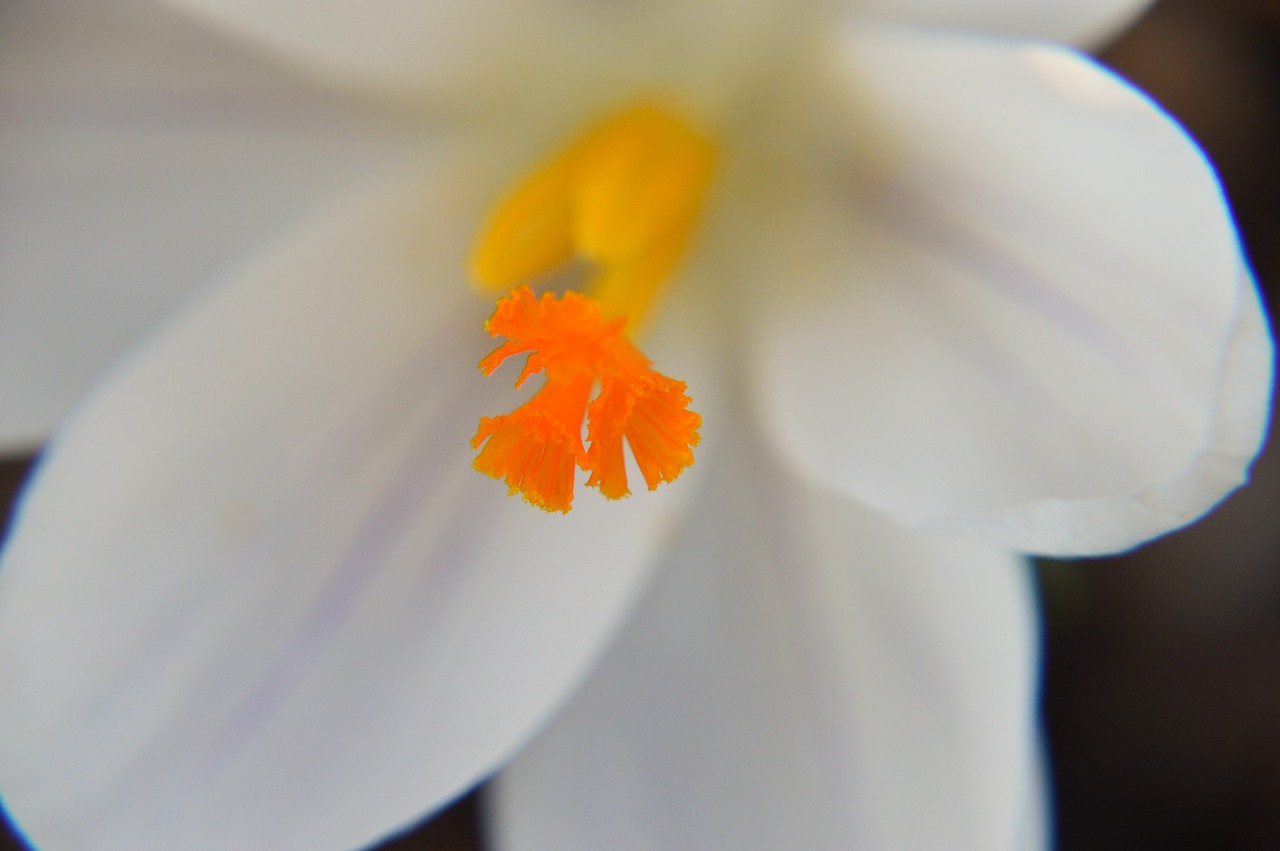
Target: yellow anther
(623, 198)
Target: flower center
(622, 199)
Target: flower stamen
(623, 198)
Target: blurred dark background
(1162, 675)
(1162, 688)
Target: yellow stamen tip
(624, 198)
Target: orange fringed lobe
(537, 448)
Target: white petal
(258, 599)
(497, 57)
(401, 45)
(139, 154)
(1034, 310)
(1035, 828)
(1083, 22)
(1240, 419)
(800, 675)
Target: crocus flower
(938, 294)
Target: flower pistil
(537, 447)
(622, 199)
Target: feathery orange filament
(536, 448)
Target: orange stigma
(536, 448)
(622, 201)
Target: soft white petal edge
(1026, 303)
(140, 154)
(397, 46)
(801, 674)
(1240, 420)
(1081, 22)
(257, 598)
(495, 57)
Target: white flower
(256, 597)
